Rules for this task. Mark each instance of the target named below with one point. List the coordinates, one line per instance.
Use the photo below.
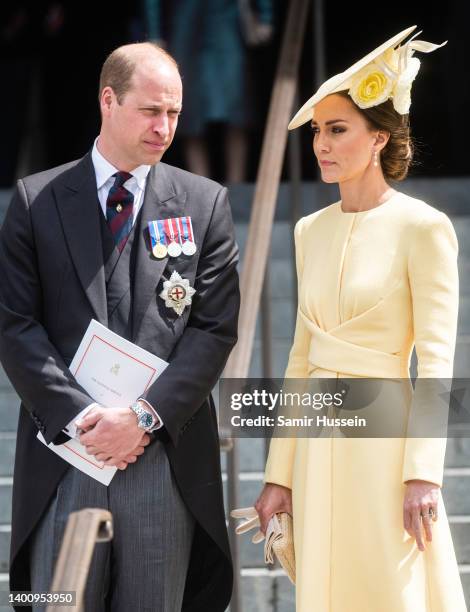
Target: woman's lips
(326, 163)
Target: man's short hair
(119, 67)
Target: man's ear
(107, 99)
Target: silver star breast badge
(177, 293)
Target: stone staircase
(263, 589)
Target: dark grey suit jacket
(52, 285)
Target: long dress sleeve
(282, 450)
(433, 278)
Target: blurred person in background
(210, 41)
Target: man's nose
(160, 126)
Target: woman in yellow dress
(377, 275)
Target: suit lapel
(79, 208)
(161, 201)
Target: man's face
(141, 128)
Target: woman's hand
(420, 497)
(274, 498)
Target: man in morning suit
(75, 246)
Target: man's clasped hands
(113, 436)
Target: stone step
(9, 410)
(251, 455)
(251, 451)
(5, 534)
(4, 590)
(6, 489)
(456, 490)
(251, 484)
(458, 452)
(7, 453)
(4, 382)
(264, 589)
(282, 239)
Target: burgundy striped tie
(119, 209)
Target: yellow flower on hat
(370, 86)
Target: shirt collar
(104, 170)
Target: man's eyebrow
(176, 108)
(331, 121)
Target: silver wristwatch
(145, 419)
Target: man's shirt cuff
(71, 428)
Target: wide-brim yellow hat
(379, 59)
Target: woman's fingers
(407, 521)
(420, 510)
(273, 499)
(417, 529)
(415, 521)
(426, 520)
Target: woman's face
(343, 142)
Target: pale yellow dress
(371, 285)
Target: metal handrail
(83, 530)
(259, 233)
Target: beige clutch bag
(279, 537)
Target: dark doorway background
(69, 59)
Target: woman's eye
(337, 130)
(314, 129)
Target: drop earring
(376, 159)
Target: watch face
(146, 419)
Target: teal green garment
(205, 38)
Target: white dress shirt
(105, 180)
(104, 171)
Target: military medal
(160, 251)
(174, 249)
(157, 237)
(119, 207)
(177, 293)
(189, 247)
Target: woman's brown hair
(397, 155)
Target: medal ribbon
(189, 223)
(153, 235)
(157, 234)
(161, 232)
(181, 229)
(175, 228)
(169, 230)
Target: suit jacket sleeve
(37, 371)
(280, 461)
(199, 357)
(433, 277)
